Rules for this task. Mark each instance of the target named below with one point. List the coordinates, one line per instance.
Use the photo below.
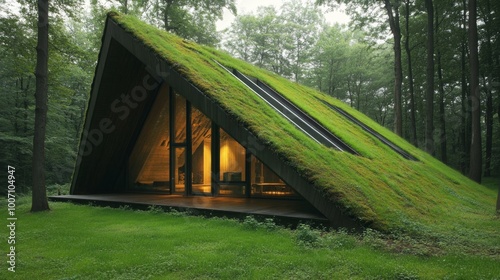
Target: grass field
(84, 242)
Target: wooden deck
(284, 211)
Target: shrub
(307, 236)
(251, 223)
(155, 209)
(339, 239)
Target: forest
(415, 66)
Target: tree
(331, 56)
(302, 22)
(411, 87)
(393, 14)
(429, 112)
(475, 164)
(366, 12)
(39, 193)
(281, 42)
(190, 19)
(16, 98)
(487, 73)
(260, 39)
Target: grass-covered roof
(380, 187)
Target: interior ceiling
(149, 161)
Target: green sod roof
(379, 187)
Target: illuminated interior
(201, 128)
(265, 183)
(186, 166)
(149, 166)
(232, 166)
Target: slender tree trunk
(166, 13)
(39, 195)
(489, 95)
(464, 147)
(475, 164)
(489, 133)
(393, 13)
(125, 6)
(429, 102)
(413, 121)
(442, 115)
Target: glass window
(180, 170)
(180, 119)
(201, 128)
(149, 163)
(232, 159)
(232, 166)
(265, 183)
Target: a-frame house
(168, 116)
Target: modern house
(167, 116)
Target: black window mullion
(215, 159)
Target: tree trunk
(429, 102)
(464, 143)
(442, 115)
(489, 133)
(489, 66)
(39, 194)
(413, 121)
(393, 13)
(125, 6)
(166, 13)
(475, 164)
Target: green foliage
(340, 239)
(155, 209)
(125, 207)
(70, 72)
(57, 189)
(190, 19)
(251, 223)
(307, 236)
(279, 41)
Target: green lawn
(84, 242)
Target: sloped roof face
(379, 187)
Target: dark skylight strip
(384, 140)
(296, 116)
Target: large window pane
(265, 183)
(149, 163)
(232, 166)
(180, 119)
(202, 152)
(232, 159)
(179, 170)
